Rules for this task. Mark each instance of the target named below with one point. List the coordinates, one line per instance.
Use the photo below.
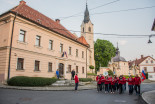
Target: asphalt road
(11, 96)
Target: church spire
(86, 15)
(117, 50)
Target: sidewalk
(149, 97)
(49, 88)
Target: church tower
(88, 33)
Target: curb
(48, 88)
(144, 98)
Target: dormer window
(146, 61)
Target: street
(11, 96)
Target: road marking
(120, 101)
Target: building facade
(144, 63)
(35, 45)
(87, 31)
(119, 65)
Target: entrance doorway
(61, 69)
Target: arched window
(83, 29)
(89, 29)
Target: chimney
(142, 56)
(58, 21)
(22, 2)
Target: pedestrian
(124, 84)
(106, 83)
(99, 81)
(116, 82)
(137, 81)
(102, 82)
(97, 77)
(109, 85)
(120, 81)
(130, 84)
(72, 74)
(76, 82)
(113, 81)
(57, 73)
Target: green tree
(103, 52)
(110, 73)
(91, 67)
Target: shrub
(91, 67)
(30, 81)
(127, 76)
(110, 72)
(91, 74)
(85, 79)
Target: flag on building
(143, 75)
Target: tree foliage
(103, 52)
(91, 67)
(110, 72)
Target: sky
(137, 22)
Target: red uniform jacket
(137, 80)
(113, 81)
(121, 81)
(130, 81)
(99, 80)
(76, 79)
(124, 80)
(106, 81)
(102, 79)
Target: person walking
(72, 74)
(102, 82)
(99, 81)
(130, 84)
(106, 83)
(76, 82)
(116, 83)
(137, 81)
(120, 81)
(113, 81)
(124, 83)
(57, 73)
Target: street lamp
(150, 38)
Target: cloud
(122, 42)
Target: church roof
(118, 58)
(82, 40)
(86, 15)
(138, 61)
(38, 18)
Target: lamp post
(150, 38)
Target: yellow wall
(30, 52)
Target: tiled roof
(137, 61)
(29, 13)
(82, 40)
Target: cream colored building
(87, 31)
(144, 63)
(118, 65)
(40, 45)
